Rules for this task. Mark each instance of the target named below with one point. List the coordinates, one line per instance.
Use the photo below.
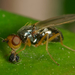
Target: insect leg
(48, 51)
(22, 49)
(65, 45)
(46, 35)
(39, 43)
(26, 43)
(54, 36)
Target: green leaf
(35, 60)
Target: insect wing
(24, 28)
(55, 21)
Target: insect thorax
(36, 37)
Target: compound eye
(16, 40)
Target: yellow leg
(48, 51)
(39, 43)
(65, 45)
(61, 41)
(46, 35)
(22, 49)
(53, 37)
(27, 43)
(50, 39)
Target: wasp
(39, 33)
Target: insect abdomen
(51, 32)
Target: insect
(39, 33)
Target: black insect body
(35, 38)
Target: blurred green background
(69, 8)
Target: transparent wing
(55, 21)
(24, 28)
(51, 22)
